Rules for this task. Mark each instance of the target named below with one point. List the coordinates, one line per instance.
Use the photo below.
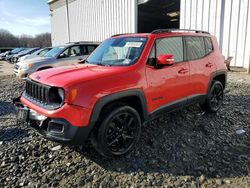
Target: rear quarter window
(209, 45)
(195, 48)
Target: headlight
(25, 66)
(61, 93)
(56, 95)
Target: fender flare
(116, 96)
(214, 74)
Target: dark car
(13, 52)
(6, 53)
(29, 51)
(3, 50)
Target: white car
(72, 53)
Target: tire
(118, 131)
(214, 98)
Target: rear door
(199, 53)
(168, 85)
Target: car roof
(83, 43)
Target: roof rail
(121, 34)
(176, 29)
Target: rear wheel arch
(220, 76)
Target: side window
(195, 48)
(170, 45)
(65, 53)
(75, 51)
(209, 46)
(91, 49)
(151, 58)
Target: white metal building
(95, 20)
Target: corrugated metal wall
(59, 33)
(95, 20)
(228, 20)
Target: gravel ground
(186, 148)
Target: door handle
(209, 65)
(182, 71)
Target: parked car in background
(13, 52)
(5, 54)
(71, 53)
(2, 55)
(40, 52)
(28, 51)
(2, 50)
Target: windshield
(41, 52)
(54, 51)
(24, 51)
(19, 50)
(118, 51)
(15, 50)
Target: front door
(168, 85)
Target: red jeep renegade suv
(127, 80)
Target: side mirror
(165, 59)
(62, 55)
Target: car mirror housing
(165, 59)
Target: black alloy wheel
(215, 98)
(118, 132)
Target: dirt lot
(6, 68)
(186, 148)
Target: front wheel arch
(43, 68)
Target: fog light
(55, 127)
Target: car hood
(37, 60)
(74, 74)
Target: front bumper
(20, 74)
(55, 129)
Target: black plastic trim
(113, 97)
(71, 135)
(181, 103)
(169, 107)
(217, 73)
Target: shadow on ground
(12, 133)
(6, 108)
(188, 142)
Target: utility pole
(248, 70)
(67, 18)
(222, 23)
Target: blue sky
(24, 16)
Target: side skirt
(176, 105)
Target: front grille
(37, 92)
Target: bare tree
(9, 40)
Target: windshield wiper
(103, 64)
